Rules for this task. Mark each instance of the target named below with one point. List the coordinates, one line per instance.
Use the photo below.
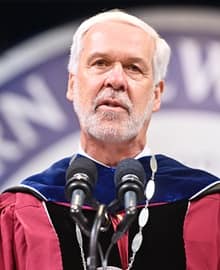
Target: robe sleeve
(202, 234)
(7, 261)
(27, 237)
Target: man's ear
(69, 92)
(158, 91)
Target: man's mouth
(110, 104)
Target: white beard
(110, 126)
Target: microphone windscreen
(129, 166)
(82, 165)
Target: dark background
(19, 20)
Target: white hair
(162, 51)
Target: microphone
(81, 177)
(130, 179)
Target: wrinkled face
(113, 91)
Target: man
(116, 81)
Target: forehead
(118, 36)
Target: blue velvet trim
(174, 181)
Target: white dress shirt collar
(145, 152)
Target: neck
(112, 153)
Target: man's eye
(134, 68)
(100, 63)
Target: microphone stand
(78, 216)
(99, 219)
(123, 226)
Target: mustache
(119, 96)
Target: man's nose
(116, 78)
